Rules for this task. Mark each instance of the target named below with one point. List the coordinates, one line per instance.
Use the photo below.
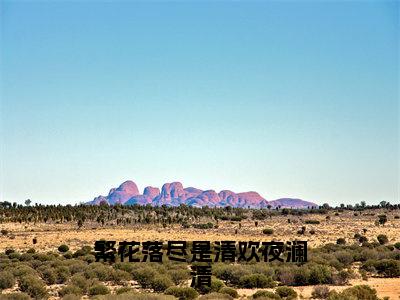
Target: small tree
(63, 248)
(341, 241)
(382, 219)
(80, 223)
(382, 239)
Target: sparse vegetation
(268, 231)
(31, 270)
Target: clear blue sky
(285, 98)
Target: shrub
(388, 267)
(63, 274)
(33, 286)
(286, 292)
(160, 283)
(216, 285)
(341, 278)
(312, 231)
(98, 289)
(63, 248)
(382, 239)
(256, 281)
(268, 231)
(100, 271)
(344, 257)
(320, 292)
(216, 296)
(360, 292)
(397, 245)
(364, 275)
(382, 219)
(182, 293)
(124, 289)
(208, 225)
(7, 280)
(341, 241)
(49, 275)
(144, 276)
(316, 222)
(320, 274)
(15, 296)
(230, 273)
(362, 239)
(70, 290)
(229, 291)
(81, 282)
(23, 270)
(4, 231)
(119, 276)
(265, 295)
(179, 275)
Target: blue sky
(290, 99)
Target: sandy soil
(385, 287)
(50, 236)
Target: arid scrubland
(47, 252)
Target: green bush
(119, 276)
(124, 289)
(49, 276)
(344, 257)
(63, 274)
(70, 290)
(362, 292)
(268, 231)
(208, 225)
(182, 293)
(98, 289)
(256, 281)
(320, 274)
(265, 295)
(15, 296)
(63, 248)
(80, 281)
(33, 286)
(341, 241)
(160, 283)
(397, 245)
(179, 275)
(388, 267)
(24, 270)
(216, 285)
(382, 239)
(230, 273)
(144, 275)
(230, 291)
(286, 292)
(312, 222)
(7, 280)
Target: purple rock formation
(173, 194)
(292, 203)
(123, 193)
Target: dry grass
(50, 236)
